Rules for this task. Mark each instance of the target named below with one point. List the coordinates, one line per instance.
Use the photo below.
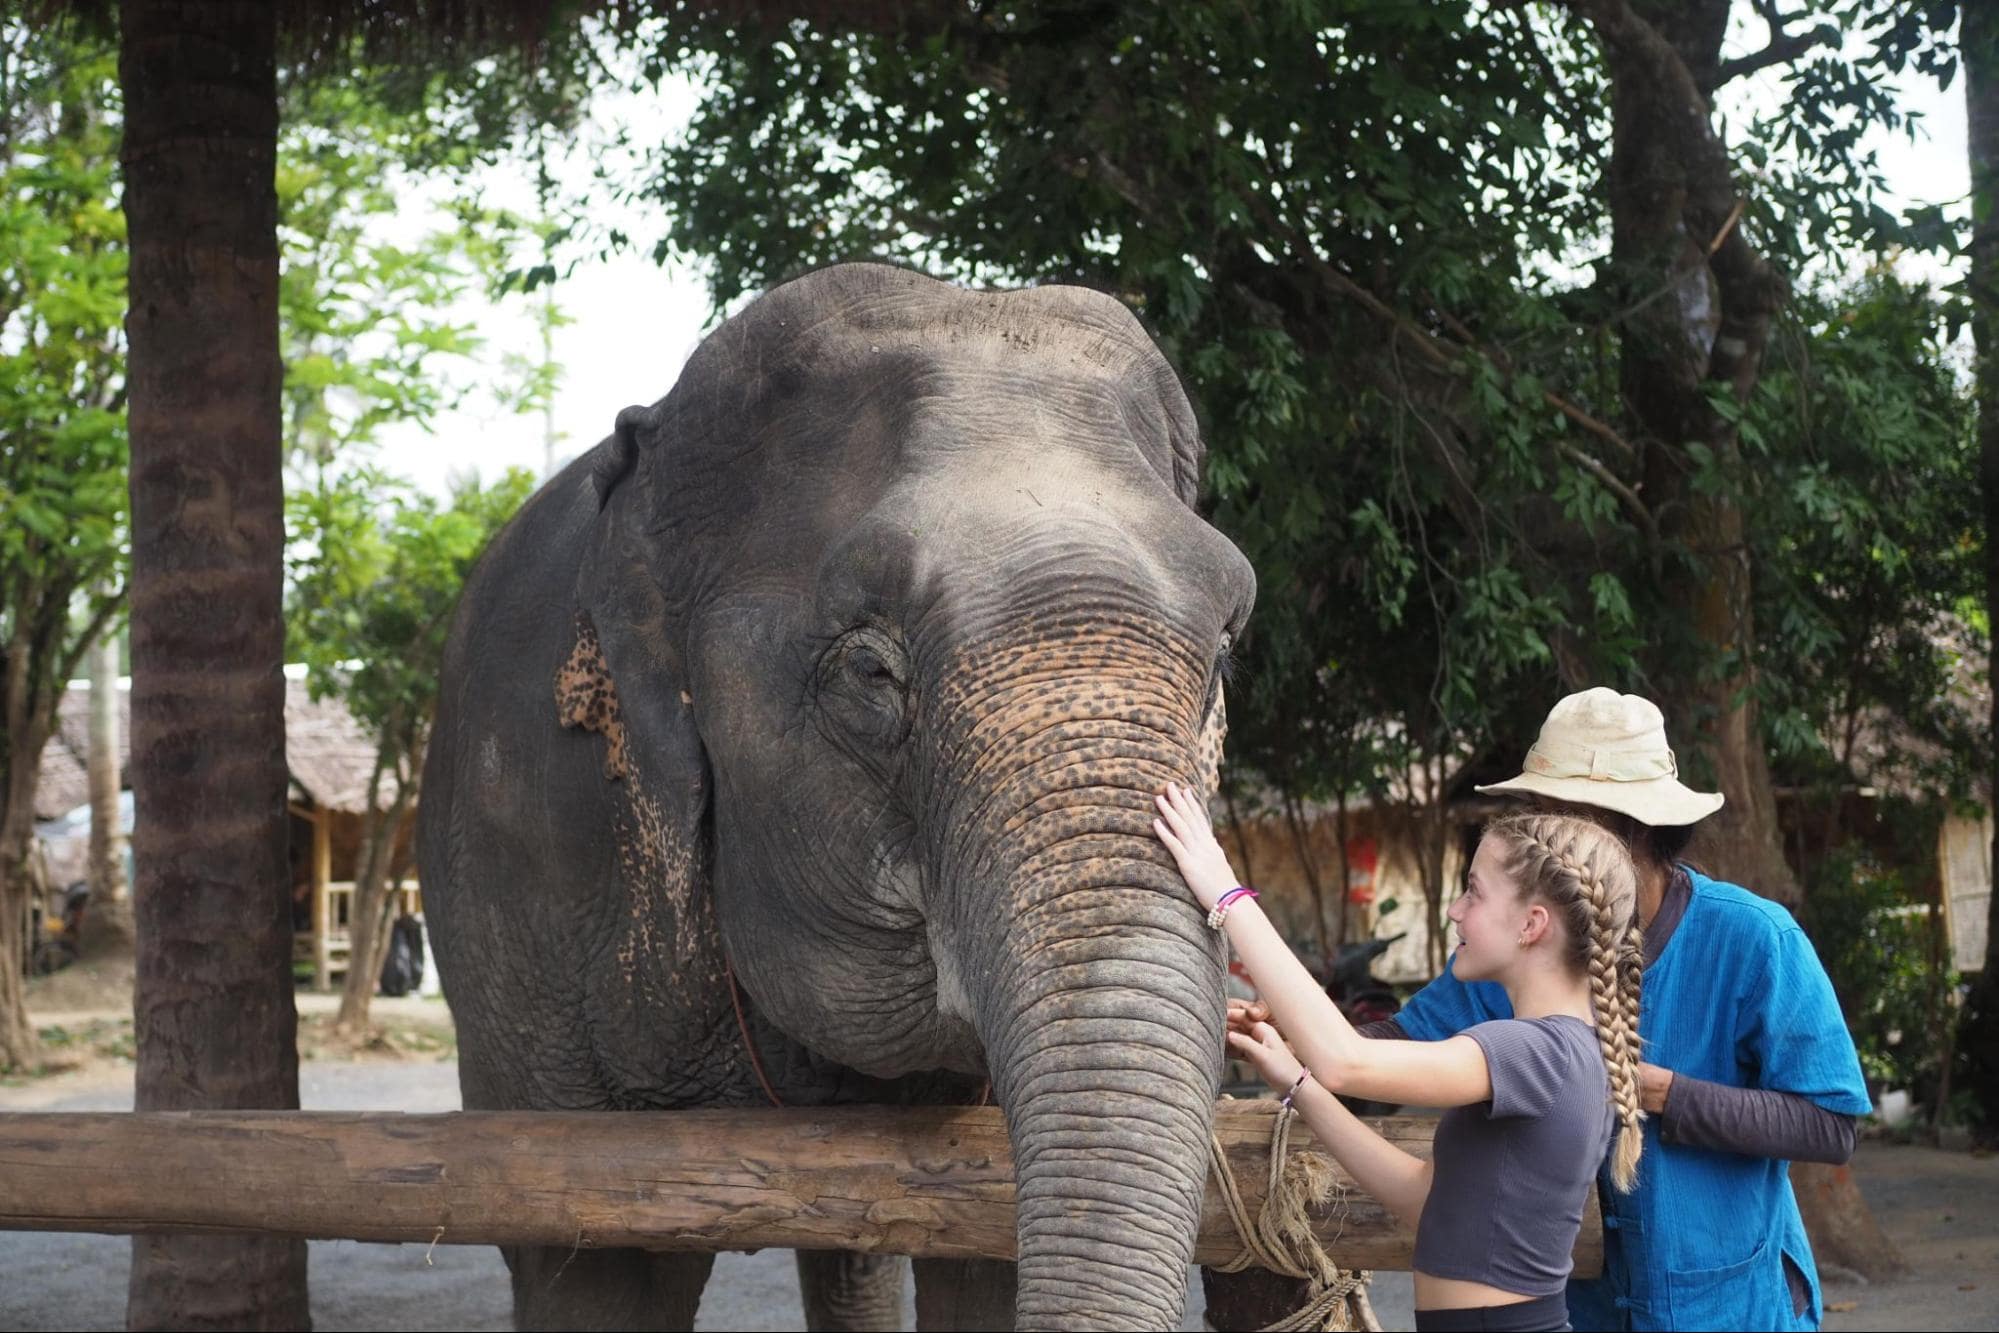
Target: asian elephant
(837, 684)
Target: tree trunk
(367, 936)
(1427, 817)
(1294, 816)
(21, 745)
(1841, 1225)
(213, 1004)
(19, 1047)
(1978, 36)
(107, 833)
(1674, 210)
(107, 923)
(1346, 865)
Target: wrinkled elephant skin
(849, 668)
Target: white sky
(633, 323)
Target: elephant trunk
(1101, 1008)
(1106, 1061)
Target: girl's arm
(1401, 1182)
(1419, 1073)
(1445, 1073)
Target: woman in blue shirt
(1748, 1062)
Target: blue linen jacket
(1737, 996)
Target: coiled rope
(1280, 1236)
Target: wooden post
(322, 921)
(927, 1181)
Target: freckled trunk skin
(1099, 996)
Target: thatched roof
(65, 777)
(329, 755)
(326, 750)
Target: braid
(1585, 874)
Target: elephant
(798, 742)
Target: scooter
(1353, 986)
(60, 940)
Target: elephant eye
(872, 661)
(863, 681)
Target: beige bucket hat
(1609, 750)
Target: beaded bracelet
(1226, 901)
(1304, 1075)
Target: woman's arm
(1401, 1182)
(1444, 1073)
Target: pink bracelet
(1226, 901)
(1304, 1075)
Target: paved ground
(1941, 1209)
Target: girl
(1749, 1066)
(1549, 914)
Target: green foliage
(376, 570)
(1374, 238)
(366, 297)
(372, 309)
(1878, 947)
(1869, 544)
(62, 370)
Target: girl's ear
(1535, 927)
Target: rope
(742, 1026)
(1280, 1237)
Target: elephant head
(909, 616)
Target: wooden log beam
(927, 1181)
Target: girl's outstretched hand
(1183, 826)
(1264, 1048)
(1246, 1014)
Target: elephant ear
(618, 455)
(624, 682)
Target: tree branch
(1783, 48)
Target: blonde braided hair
(1583, 872)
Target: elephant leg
(969, 1294)
(557, 1288)
(850, 1291)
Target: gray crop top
(1512, 1174)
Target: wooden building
(330, 759)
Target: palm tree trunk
(216, 1024)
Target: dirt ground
(1940, 1208)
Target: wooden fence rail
(926, 1181)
